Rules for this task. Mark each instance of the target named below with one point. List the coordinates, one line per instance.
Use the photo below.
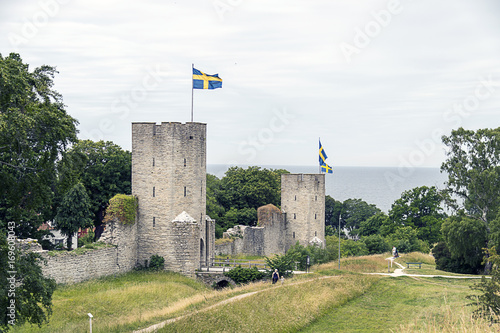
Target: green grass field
(329, 300)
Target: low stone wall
(232, 247)
(66, 267)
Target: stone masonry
(168, 178)
(303, 202)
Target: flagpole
(319, 168)
(192, 92)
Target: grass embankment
(118, 304)
(286, 308)
(329, 300)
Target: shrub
(122, 207)
(488, 302)
(376, 244)
(87, 239)
(244, 275)
(284, 263)
(156, 263)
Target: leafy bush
(351, 248)
(376, 244)
(244, 275)
(445, 261)
(122, 207)
(284, 263)
(488, 302)
(316, 254)
(156, 263)
(86, 239)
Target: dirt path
(155, 327)
(400, 272)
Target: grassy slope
(139, 299)
(286, 308)
(133, 297)
(392, 302)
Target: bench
(414, 263)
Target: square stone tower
(169, 180)
(303, 201)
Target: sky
(378, 81)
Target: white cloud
(271, 55)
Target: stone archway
(223, 282)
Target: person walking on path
(276, 276)
(282, 279)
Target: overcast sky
(378, 81)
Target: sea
(380, 186)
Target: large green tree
(354, 212)
(34, 130)
(465, 239)
(333, 208)
(74, 212)
(250, 188)
(103, 167)
(420, 208)
(234, 199)
(473, 168)
(25, 294)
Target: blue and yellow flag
(326, 168)
(322, 160)
(205, 81)
(322, 154)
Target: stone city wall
(66, 267)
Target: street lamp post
(340, 217)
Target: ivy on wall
(123, 208)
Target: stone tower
(169, 179)
(303, 201)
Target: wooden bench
(414, 263)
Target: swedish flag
(322, 154)
(326, 168)
(322, 160)
(205, 81)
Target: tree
(376, 244)
(373, 225)
(250, 188)
(34, 131)
(333, 208)
(420, 208)
(74, 212)
(234, 199)
(473, 167)
(465, 238)
(355, 211)
(25, 295)
(104, 168)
